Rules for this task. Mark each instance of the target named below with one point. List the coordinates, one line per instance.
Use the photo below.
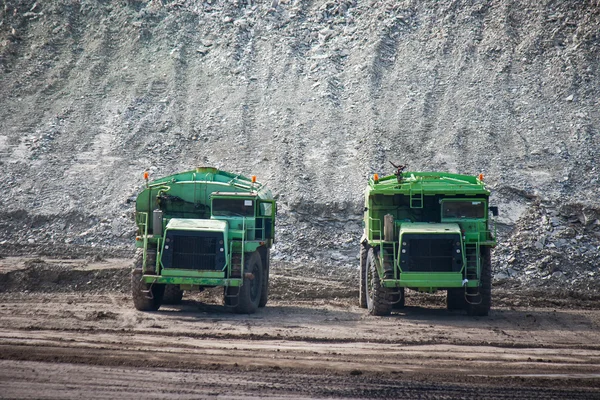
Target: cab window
(266, 209)
(463, 209)
(233, 207)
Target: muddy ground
(69, 330)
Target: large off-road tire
(480, 305)
(397, 293)
(455, 299)
(379, 298)
(264, 294)
(398, 299)
(173, 294)
(362, 287)
(251, 290)
(142, 300)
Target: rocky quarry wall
(312, 97)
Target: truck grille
(431, 253)
(194, 250)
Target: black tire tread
(485, 287)
(362, 289)
(264, 294)
(245, 303)
(380, 301)
(455, 299)
(140, 300)
(173, 294)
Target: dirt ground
(77, 339)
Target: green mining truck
(203, 228)
(426, 231)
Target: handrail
(447, 178)
(144, 223)
(230, 183)
(157, 267)
(372, 229)
(242, 272)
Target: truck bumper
(195, 281)
(430, 281)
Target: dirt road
(94, 344)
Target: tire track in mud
(296, 348)
(64, 378)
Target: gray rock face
(568, 257)
(312, 98)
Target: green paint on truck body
(202, 224)
(428, 230)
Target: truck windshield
(463, 209)
(233, 207)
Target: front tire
(362, 287)
(480, 305)
(251, 290)
(264, 295)
(146, 297)
(379, 298)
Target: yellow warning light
(481, 177)
(376, 178)
(253, 178)
(146, 175)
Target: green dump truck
(426, 231)
(199, 229)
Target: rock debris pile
(313, 98)
(553, 245)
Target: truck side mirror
(494, 210)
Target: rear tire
(251, 290)
(455, 299)
(173, 294)
(398, 299)
(145, 301)
(379, 298)
(480, 305)
(362, 287)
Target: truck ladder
(416, 197)
(142, 219)
(472, 270)
(388, 256)
(236, 268)
(236, 262)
